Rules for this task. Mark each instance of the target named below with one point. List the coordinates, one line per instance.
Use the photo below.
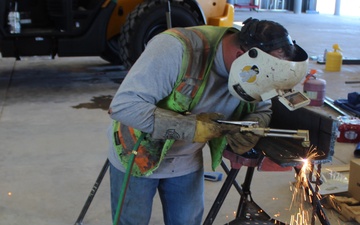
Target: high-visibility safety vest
(200, 44)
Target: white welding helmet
(258, 76)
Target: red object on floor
(349, 129)
(251, 5)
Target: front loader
(115, 30)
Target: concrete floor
(53, 122)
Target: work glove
(242, 142)
(193, 128)
(207, 128)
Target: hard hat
(258, 76)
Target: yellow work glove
(242, 142)
(207, 128)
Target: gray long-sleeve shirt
(151, 79)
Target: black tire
(111, 52)
(149, 19)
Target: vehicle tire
(149, 19)
(111, 52)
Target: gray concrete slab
(53, 122)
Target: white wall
(347, 7)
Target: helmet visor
(258, 76)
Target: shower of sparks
(302, 194)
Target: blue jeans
(182, 198)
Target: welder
(175, 93)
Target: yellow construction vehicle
(115, 30)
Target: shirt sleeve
(149, 80)
(263, 107)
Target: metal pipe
(283, 131)
(168, 15)
(328, 101)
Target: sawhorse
(248, 211)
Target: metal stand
(248, 211)
(93, 191)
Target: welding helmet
(264, 34)
(258, 76)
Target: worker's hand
(207, 128)
(241, 142)
(193, 128)
(196, 128)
